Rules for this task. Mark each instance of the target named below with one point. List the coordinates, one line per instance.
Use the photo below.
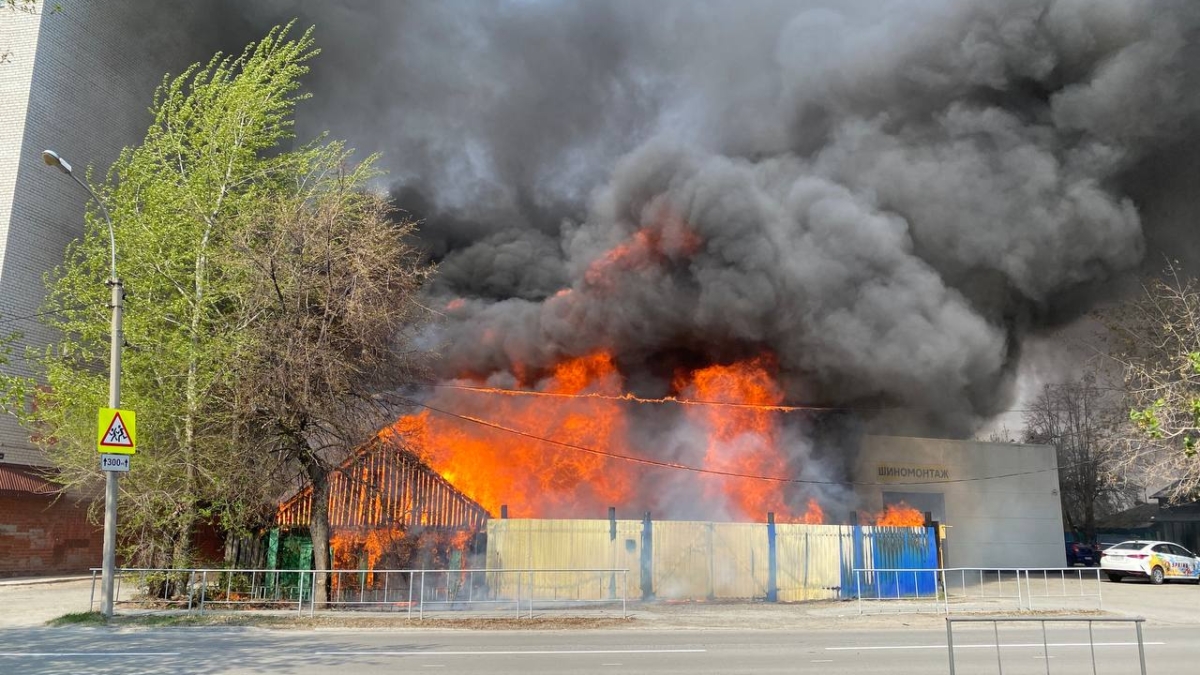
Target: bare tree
(331, 283)
(1083, 421)
(1157, 341)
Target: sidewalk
(34, 601)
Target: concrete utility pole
(114, 389)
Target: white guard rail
(512, 591)
(1045, 656)
(945, 590)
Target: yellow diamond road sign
(116, 431)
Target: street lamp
(114, 388)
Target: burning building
(709, 261)
(722, 448)
(387, 508)
(576, 445)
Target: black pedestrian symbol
(117, 435)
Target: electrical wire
(11, 319)
(718, 472)
(631, 398)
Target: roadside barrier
(947, 590)
(514, 592)
(1091, 640)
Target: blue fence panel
(891, 548)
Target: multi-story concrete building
(77, 76)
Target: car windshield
(1128, 546)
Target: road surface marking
(88, 654)
(531, 652)
(821, 661)
(988, 646)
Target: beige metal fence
(811, 559)
(692, 560)
(566, 544)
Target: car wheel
(1156, 576)
(1115, 578)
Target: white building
(999, 500)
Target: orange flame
(666, 237)
(742, 440)
(635, 253)
(496, 467)
(583, 402)
(899, 515)
(815, 515)
(384, 548)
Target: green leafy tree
(210, 159)
(268, 291)
(1158, 343)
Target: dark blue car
(1081, 554)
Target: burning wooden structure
(385, 486)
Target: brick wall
(41, 536)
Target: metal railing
(945, 590)
(1058, 584)
(916, 588)
(996, 621)
(415, 591)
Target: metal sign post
(125, 445)
(55, 160)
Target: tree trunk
(187, 519)
(181, 549)
(318, 528)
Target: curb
(39, 581)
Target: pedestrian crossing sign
(116, 431)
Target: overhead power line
(12, 319)
(631, 398)
(717, 472)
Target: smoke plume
(887, 197)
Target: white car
(1157, 560)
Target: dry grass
(284, 621)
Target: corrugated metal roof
(17, 478)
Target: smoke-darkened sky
(887, 195)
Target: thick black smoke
(886, 195)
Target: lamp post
(114, 388)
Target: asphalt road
(825, 638)
(1169, 649)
